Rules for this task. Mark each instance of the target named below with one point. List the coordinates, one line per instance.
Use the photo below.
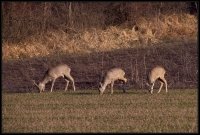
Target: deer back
(115, 73)
(59, 70)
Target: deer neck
(149, 80)
(45, 80)
(105, 83)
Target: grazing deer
(157, 72)
(111, 76)
(52, 74)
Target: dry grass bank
(150, 31)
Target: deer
(53, 73)
(156, 73)
(111, 76)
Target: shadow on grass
(93, 92)
(82, 93)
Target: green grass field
(87, 111)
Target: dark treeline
(22, 19)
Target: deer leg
(124, 90)
(164, 81)
(161, 85)
(165, 84)
(52, 84)
(72, 80)
(73, 84)
(112, 83)
(124, 82)
(152, 88)
(66, 85)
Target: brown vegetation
(41, 28)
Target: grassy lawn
(87, 111)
